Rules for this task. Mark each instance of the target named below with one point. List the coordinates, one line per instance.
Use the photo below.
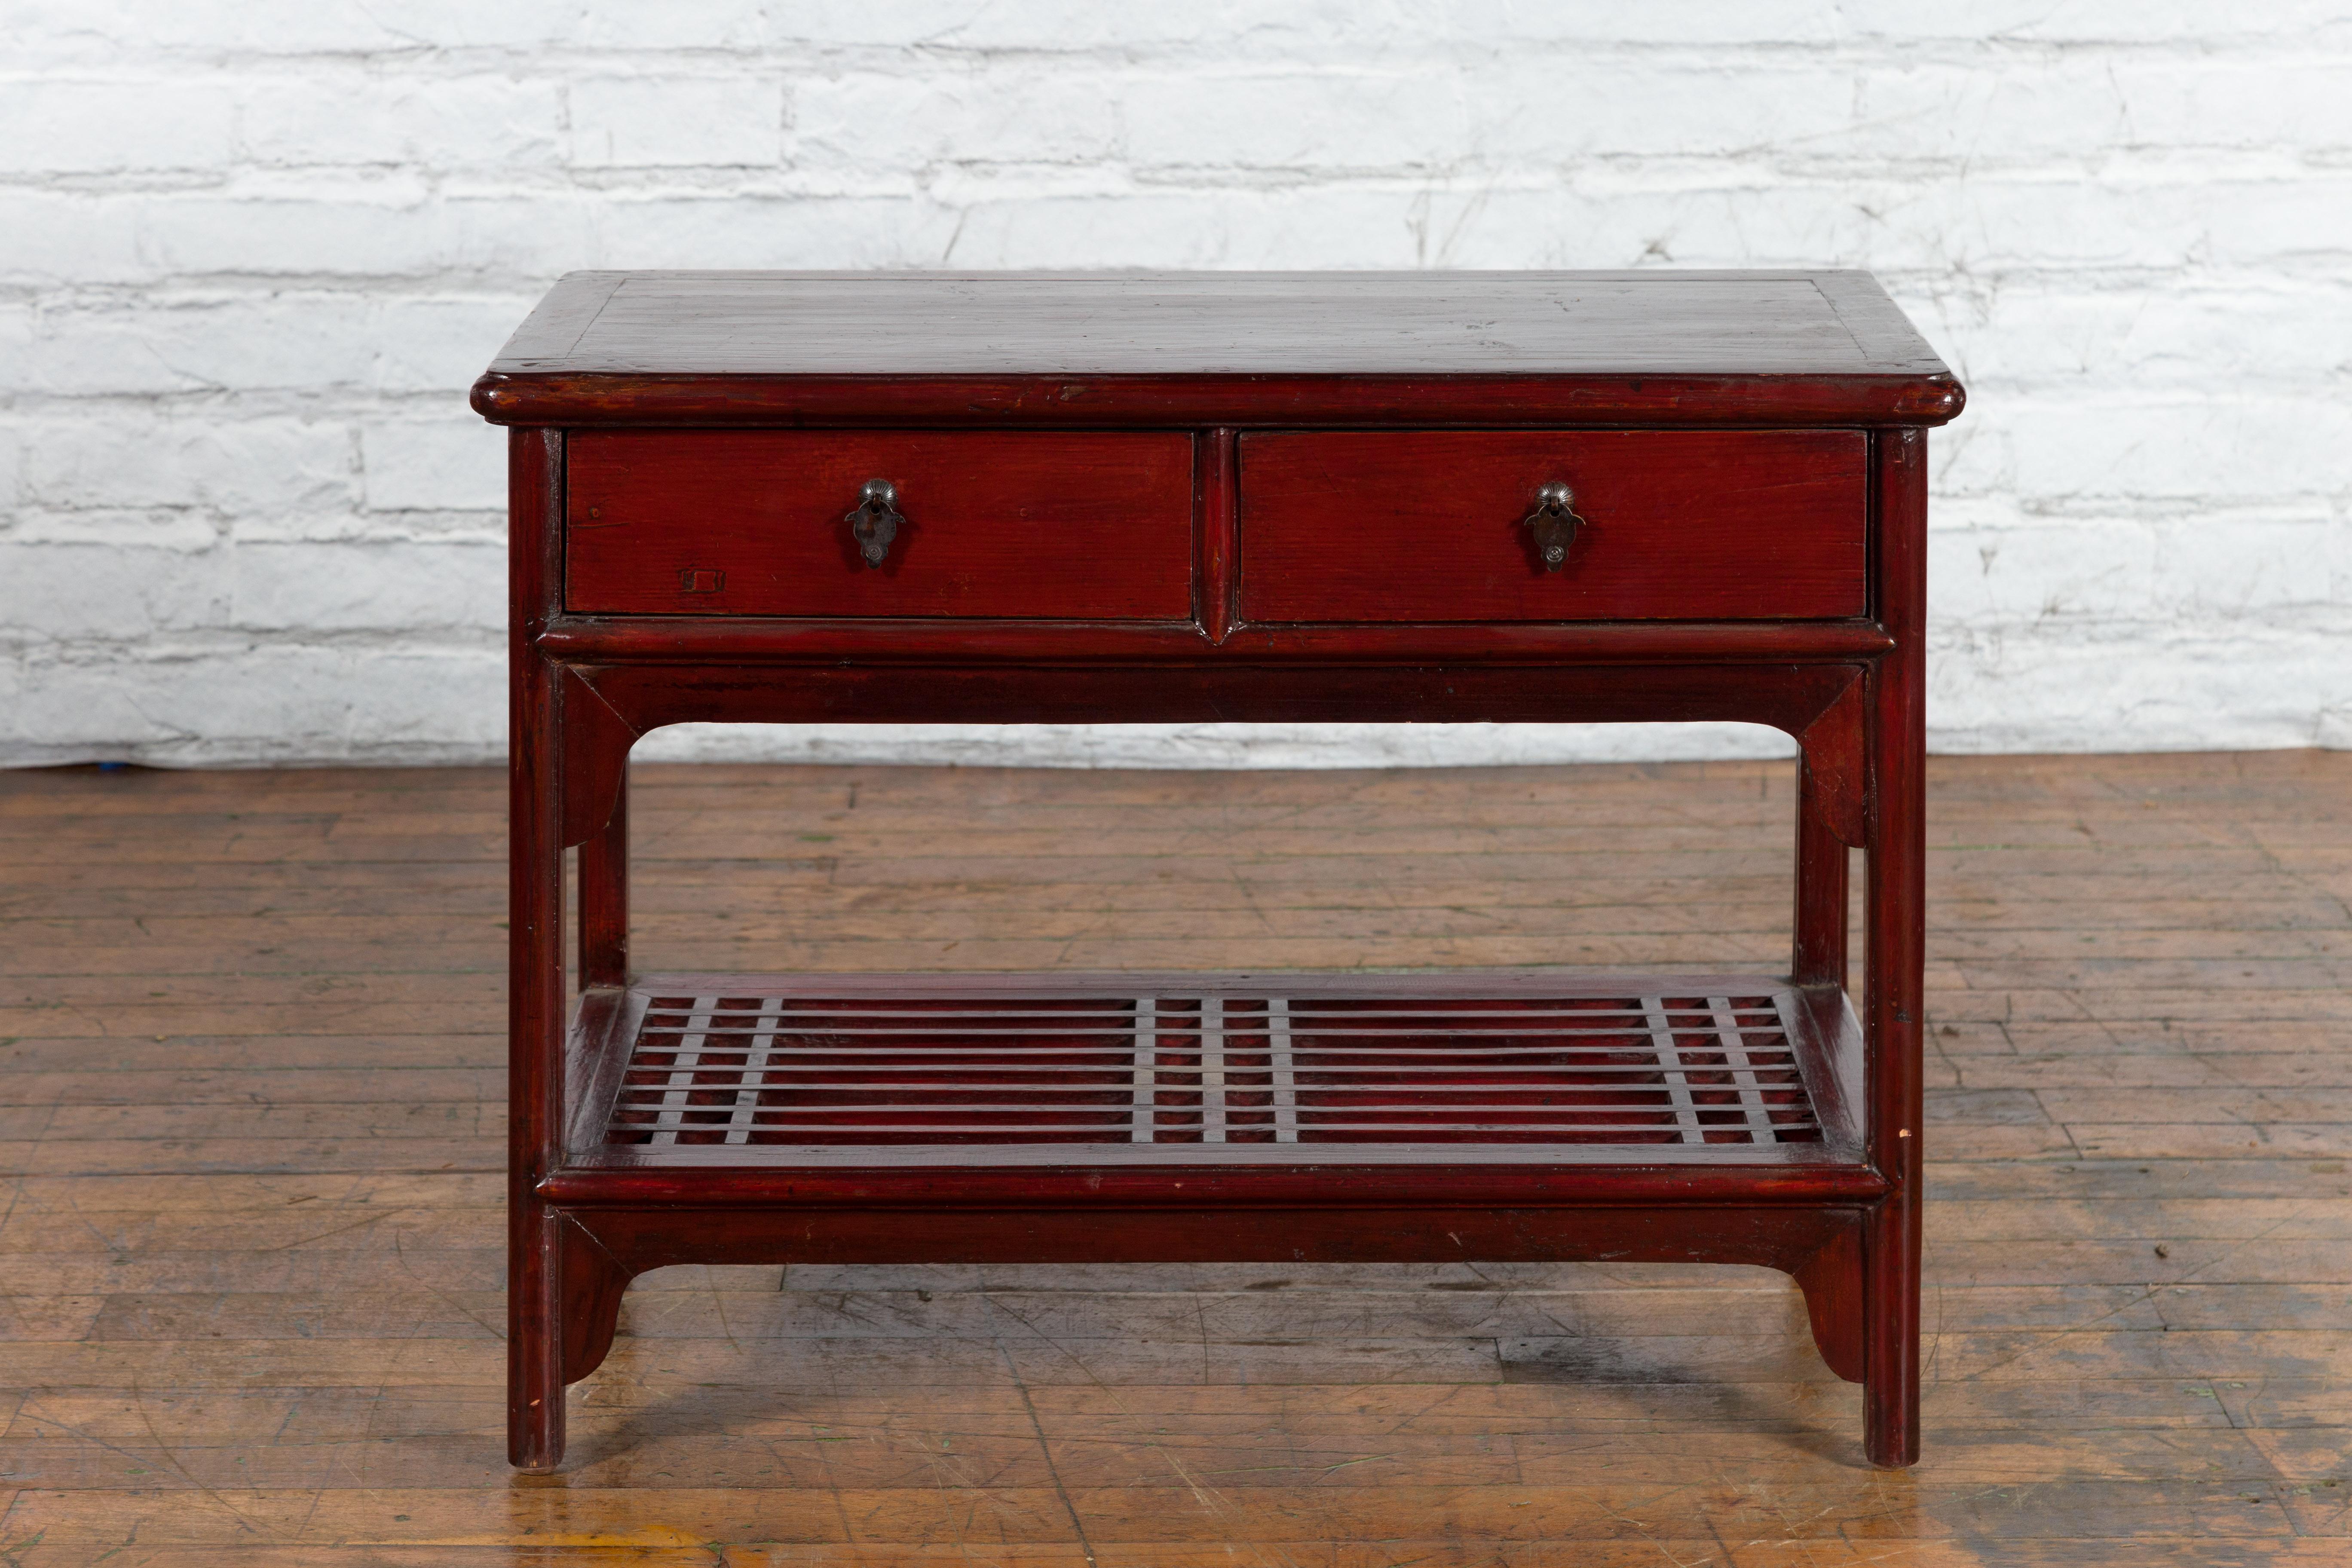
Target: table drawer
(1687, 525)
(1092, 527)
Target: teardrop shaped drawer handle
(875, 521)
(1553, 523)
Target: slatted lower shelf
(1283, 1068)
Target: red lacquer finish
(1897, 957)
(535, 1087)
(1680, 525)
(1298, 350)
(1016, 525)
(1191, 498)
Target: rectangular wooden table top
(758, 346)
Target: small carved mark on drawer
(700, 580)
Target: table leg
(605, 898)
(1820, 958)
(535, 964)
(1895, 957)
(535, 1002)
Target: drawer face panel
(756, 522)
(1676, 525)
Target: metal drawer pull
(875, 521)
(1554, 523)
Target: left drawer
(983, 524)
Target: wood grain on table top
(1217, 324)
(1216, 348)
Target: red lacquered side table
(1561, 496)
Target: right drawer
(1358, 527)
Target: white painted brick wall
(251, 254)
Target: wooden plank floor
(251, 1238)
